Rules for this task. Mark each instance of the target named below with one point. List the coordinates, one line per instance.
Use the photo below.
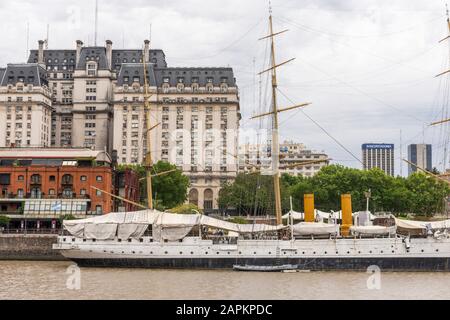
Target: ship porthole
(166, 252)
(437, 250)
(303, 252)
(422, 250)
(359, 252)
(181, 252)
(151, 252)
(192, 252)
(348, 252)
(254, 252)
(270, 252)
(382, 251)
(206, 252)
(337, 252)
(370, 251)
(218, 252)
(240, 252)
(314, 252)
(229, 252)
(325, 252)
(393, 251)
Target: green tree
(419, 193)
(171, 188)
(4, 221)
(186, 209)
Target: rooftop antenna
(28, 40)
(123, 38)
(96, 23)
(46, 39)
(150, 35)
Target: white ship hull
(390, 254)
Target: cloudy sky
(367, 66)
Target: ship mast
(444, 113)
(275, 136)
(148, 158)
(274, 112)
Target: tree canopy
(169, 190)
(419, 193)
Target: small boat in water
(286, 267)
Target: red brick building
(38, 186)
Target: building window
(51, 192)
(20, 193)
(83, 192)
(83, 178)
(99, 209)
(67, 193)
(99, 178)
(20, 178)
(52, 178)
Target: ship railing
(222, 239)
(30, 231)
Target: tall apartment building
(290, 153)
(25, 106)
(96, 99)
(421, 156)
(378, 155)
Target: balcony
(36, 180)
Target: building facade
(421, 156)
(251, 155)
(40, 185)
(379, 155)
(25, 106)
(95, 99)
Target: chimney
(41, 52)
(109, 53)
(79, 46)
(147, 51)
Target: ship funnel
(309, 207)
(347, 218)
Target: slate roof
(61, 58)
(191, 75)
(56, 58)
(27, 73)
(2, 73)
(120, 57)
(135, 71)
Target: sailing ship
(153, 239)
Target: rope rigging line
(321, 128)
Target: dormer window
(195, 87)
(224, 87)
(92, 69)
(166, 79)
(180, 87)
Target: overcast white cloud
(368, 66)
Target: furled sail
(166, 226)
(315, 229)
(373, 230)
